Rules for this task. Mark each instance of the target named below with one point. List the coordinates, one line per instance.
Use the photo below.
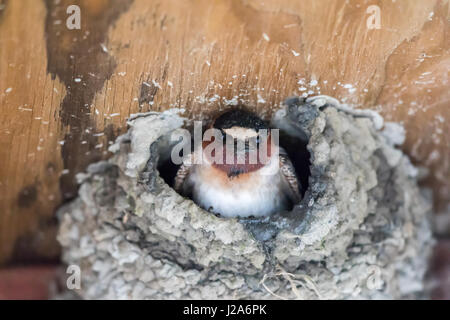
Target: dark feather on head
(240, 118)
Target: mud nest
(361, 230)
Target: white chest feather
(250, 194)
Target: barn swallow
(240, 187)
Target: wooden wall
(65, 94)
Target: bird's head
(244, 137)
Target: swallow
(237, 186)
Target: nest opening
(295, 147)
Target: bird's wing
(288, 172)
(182, 173)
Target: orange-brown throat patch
(239, 165)
(234, 170)
(248, 162)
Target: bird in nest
(244, 174)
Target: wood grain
(203, 56)
(30, 153)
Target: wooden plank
(203, 56)
(30, 160)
